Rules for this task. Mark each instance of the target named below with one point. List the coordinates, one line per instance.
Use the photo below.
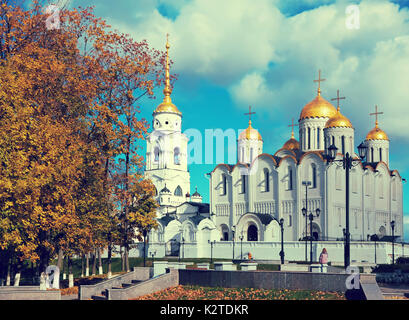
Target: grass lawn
(205, 293)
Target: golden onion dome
(250, 134)
(292, 144)
(318, 108)
(167, 105)
(338, 121)
(377, 134)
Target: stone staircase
(100, 290)
(124, 285)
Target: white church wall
(361, 252)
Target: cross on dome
(249, 114)
(319, 82)
(292, 125)
(338, 98)
(376, 115)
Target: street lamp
(311, 218)
(304, 212)
(393, 241)
(211, 249)
(153, 254)
(241, 245)
(282, 240)
(347, 162)
(233, 230)
(144, 232)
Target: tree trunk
(100, 270)
(87, 264)
(64, 268)
(109, 260)
(17, 275)
(8, 279)
(60, 258)
(70, 274)
(82, 266)
(94, 263)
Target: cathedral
(297, 185)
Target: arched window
(224, 185)
(314, 175)
(156, 154)
(178, 192)
(243, 184)
(266, 180)
(176, 155)
(290, 179)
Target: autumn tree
(69, 105)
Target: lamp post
(282, 240)
(144, 232)
(153, 254)
(233, 230)
(393, 241)
(347, 162)
(304, 212)
(241, 245)
(211, 250)
(311, 218)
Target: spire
(167, 105)
(168, 90)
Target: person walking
(323, 258)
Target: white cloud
(269, 60)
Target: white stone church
(248, 199)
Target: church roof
(165, 220)
(203, 207)
(197, 219)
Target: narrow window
(318, 138)
(380, 154)
(343, 144)
(314, 176)
(156, 154)
(290, 178)
(309, 138)
(266, 181)
(176, 154)
(224, 182)
(372, 160)
(243, 184)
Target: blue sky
(231, 54)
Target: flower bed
(205, 293)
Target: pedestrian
(323, 258)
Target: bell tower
(166, 152)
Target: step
(98, 298)
(126, 285)
(136, 281)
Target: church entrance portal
(252, 233)
(172, 248)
